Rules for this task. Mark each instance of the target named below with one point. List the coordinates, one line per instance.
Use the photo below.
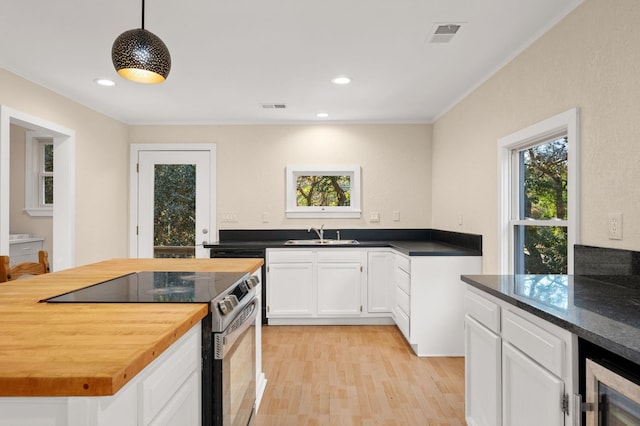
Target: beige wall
(590, 60)
(251, 161)
(101, 212)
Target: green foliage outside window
(174, 206)
(47, 180)
(323, 191)
(544, 196)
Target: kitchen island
(91, 349)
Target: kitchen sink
(318, 242)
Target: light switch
(265, 217)
(396, 216)
(374, 217)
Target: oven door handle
(226, 339)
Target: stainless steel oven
(247, 252)
(234, 370)
(612, 396)
(234, 356)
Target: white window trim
(565, 123)
(353, 211)
(32, 161)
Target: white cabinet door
(482, 375)
(380, 283)
(531, 395)
(290, 289)
(339, 289)
(184, 407)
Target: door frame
(133, 184)
(64, 146)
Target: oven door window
(239, 380)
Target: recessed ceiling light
(341, 80)
(104, 82)
(322, 115)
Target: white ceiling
(230, 56)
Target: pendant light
(139, 55)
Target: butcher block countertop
(90, 349)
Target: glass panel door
(174, 207)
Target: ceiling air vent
(443, 33)
(273, 106)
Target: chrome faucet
(320, 232)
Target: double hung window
(39, 165)
(538, 197)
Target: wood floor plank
(356, 375)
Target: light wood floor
(355, 375)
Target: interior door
(174, 203)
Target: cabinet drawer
(402, 300)
(339, 256)
(403, 263)
(539, 344)
(403, 280)
(482, 310)
(289, 256)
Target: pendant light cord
(143, 14)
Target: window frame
(293, 211)
(565, 123)
(34, 174)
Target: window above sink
(323, 192)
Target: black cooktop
(155, 287)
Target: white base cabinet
(422, 295)
(532, 395)
(339, 287)
(290, 278)
(25, 250)
(380, 289)
(429, 302)
(166, 392)
(326, 286)
(483, 375)
(519, 369)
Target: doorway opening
(62, 255)
(172, 200)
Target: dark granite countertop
(603, 312)
(409, 248)
(409, 242)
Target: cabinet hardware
(564, 404)
(588, 406)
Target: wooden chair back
(8, 273)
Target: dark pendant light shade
(139, 55)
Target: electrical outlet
(230, 217)
(615, 226)
(396, 216)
